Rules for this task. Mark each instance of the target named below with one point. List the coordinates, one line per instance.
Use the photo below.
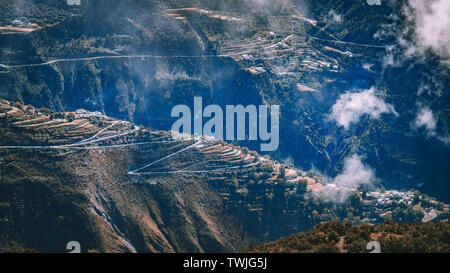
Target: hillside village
(221, 161)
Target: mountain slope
(392, 237)
(115, 187)
(134, 61)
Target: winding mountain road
(144, 56)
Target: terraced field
(160, 184)
(113, 163)
(281, 49)
(81, 130)
(44, 129)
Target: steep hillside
(134, 60)
(116, 187)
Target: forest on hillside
(335, 237)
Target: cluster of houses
(247, 57)
(81, 113)
(388, 197)
(20, 24)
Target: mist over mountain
(362, 89)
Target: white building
(17, 23)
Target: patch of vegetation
(338, 237)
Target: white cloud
(335, 16)
(424, 25)
(426, 119)
(431, 21)
(351, 106)
(355, 173)
(367, 67)
(445, 139)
